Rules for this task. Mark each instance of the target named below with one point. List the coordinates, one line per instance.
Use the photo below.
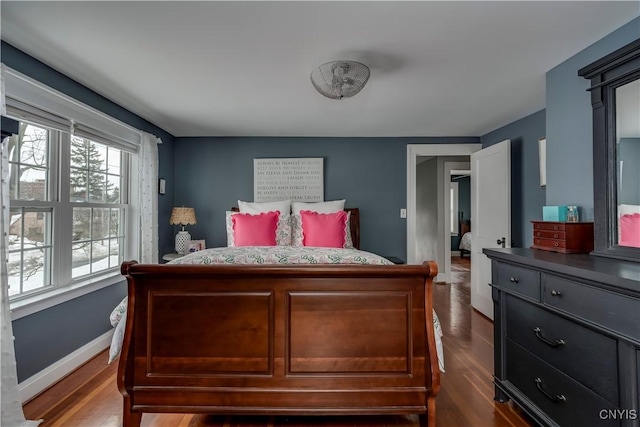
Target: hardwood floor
(89, 398)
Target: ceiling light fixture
(340, 79)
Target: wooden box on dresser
(564, 237)
(567, 336)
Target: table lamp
(182, 216)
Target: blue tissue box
(554, 213)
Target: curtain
(12, 414)
(149, 198)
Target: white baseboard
(455, 253)
(44, 379)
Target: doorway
(435, 248)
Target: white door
(490, 217)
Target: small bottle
(572, 214)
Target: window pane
(29, 164)
(78, 190)
(88, 176)
(29, 266)
(33, 183)
(34, 145)
(114, 226)
(113, 161)
(97, 183)
(113, 189)
(81, 224)
(115, 258)
(100, 224)
(81, 259)
(97, 240)
(79, 152)
(97, 157)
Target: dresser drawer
(553, 226)
(546, 234)
(549, 243)
(518, 280)
(573, 349)
(617, 312)
(561, 398)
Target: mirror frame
(606, 75)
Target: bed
(465, 241)
(316, 337)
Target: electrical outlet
(403, 213)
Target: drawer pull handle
(554, 344)
(558, 398)
(556, 293)
(513, 279)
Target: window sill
(39, 302)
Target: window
(31, 210)
(68, 193)
(74, 196)
(97, 212)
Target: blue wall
(45, 337)
(370, 173)
(527, 197)
(570, 124)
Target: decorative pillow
(320, 207)
(297, 234)
(630, 230)
(323, 230)
(282, 206)
(283, 230)
(255, 230)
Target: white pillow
(282, 206)
(320, 207)
(628, 209)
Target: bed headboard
(465, 226)
(354, 224)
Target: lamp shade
(183, 216)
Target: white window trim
(454, 209)
(31, 92)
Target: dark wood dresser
(567, 336)
(563, 237)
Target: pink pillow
(323, 230)
(630, 230)
(255, 230)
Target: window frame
(455, 226)
(61, 207)
(27, 98)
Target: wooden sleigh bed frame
(279, 340)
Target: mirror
(615, 98)
(627, 113)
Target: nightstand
(171, 256)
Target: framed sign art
(299, 179)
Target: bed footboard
(307, 340)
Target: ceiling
(242, 68)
